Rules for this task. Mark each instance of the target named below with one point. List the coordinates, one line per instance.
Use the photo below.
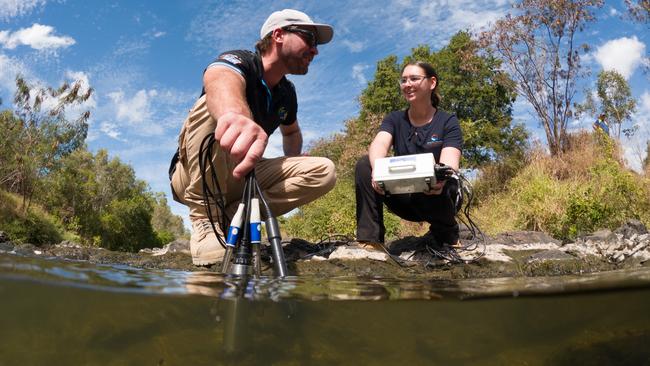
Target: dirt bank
(513, 254)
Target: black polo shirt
(270, 108)
(442, 131)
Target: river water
(55, 312)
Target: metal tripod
(243, 252)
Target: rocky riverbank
(512, 254)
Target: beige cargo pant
(287, 182)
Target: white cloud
(111, 130)
(12, 8)
(408, 24)
(354, 47)
(135, 109)
(358, 73)
(613, 12)
(143, 113)
(635, 147)
(238, 23)
(623, 55)
(10, 68)
(131, 48)
(38, 36)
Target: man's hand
(243, 139)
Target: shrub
(334, 213)
(34, 226)
(614, 196)
(581, 190)
(126, 226)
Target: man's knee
(327, 174)
(176, 185)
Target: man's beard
(297, 64)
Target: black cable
(451, 253)
(211, 198)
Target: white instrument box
(405, 174)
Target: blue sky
(145, 61)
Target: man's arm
(291, 139)
(237, 133)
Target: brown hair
(430, 72)
(264, 44)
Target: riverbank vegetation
(52, 188)
(577, 183)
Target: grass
(33, 225)
(581, 190)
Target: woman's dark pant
(437, 210)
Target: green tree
(101, 199)
(471, 86)
(42, 136)
(615, 103)
(164, 222)
(382, 93)
(646, 161)
(10, 131)
(639, 10)
(126, 225)
(538, 46)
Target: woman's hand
(376, 187)
(436, 189)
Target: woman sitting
(421, 128)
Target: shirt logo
(282, 113)
(432, 142)
(233, 59)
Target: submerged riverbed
(72, 312)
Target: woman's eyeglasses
(309, 37)
(413, 79)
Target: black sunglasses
(309, 37)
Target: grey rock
(549, 255)
(525, 237)
(351, 253)
(25, 249)
(605, 236)
(68, 244)
(179, 246)
(631, 227)
(176, 246)
(6, 246)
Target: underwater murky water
(74, 313)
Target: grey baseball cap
(283, 18)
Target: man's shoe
(204, 245)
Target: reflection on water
(77, 313)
